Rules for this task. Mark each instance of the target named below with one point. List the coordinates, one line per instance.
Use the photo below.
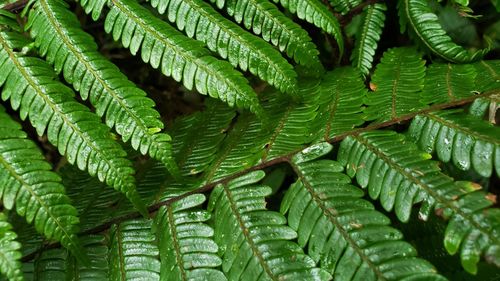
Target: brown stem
(15, 7)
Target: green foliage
(73, 52)
(285, 201)
(10, 265)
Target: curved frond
(182, 58)
(367, 40)
(343, 232)
(400, 175)
(78, 134)
(59, 265)
(315, 12)
(266, 20)
(187, 249)
(467, 141)
(264, 250)
(448, 83)
(428, 29)
(396, 84)
(10, 254)
(231, 42)
(73, 52)
(27, 182)
(133, 253)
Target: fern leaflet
(10, 253)
(265, 19)
(367, 40)
(265, 251)
(187, 251)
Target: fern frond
(396, 84)
(367, 40)
(481, 106)
(467, 141)
(27, 182)
(182, 58)
(73, 52)
(265, 19)
(58, 264)
(344, 6)
(489, 77)
(231, 42)
(187, 249)
(401, 175)
(313, 11)
(198, 137)
(264, 250)
(428, 29)
(10, 254)
(341, 102)
(448, 83)
(133, 253)
(343, 232)
(78, 134)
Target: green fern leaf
(133, 253)
(76, 132)
(344, 6)
(481, 106)
(490, 75)
(394, 170)
(184, 59)
(265, 19)
(313, 11)
(256, 242)
(73, 52)
(396, 84)
(187, 250)
(428, 29)
(454, 135)
(367, 40)
(341, 101)
(224, 37)
(343, 232)
(59, 265)
(10, 254)
(448, 83)
(26, 181)
(198, 137)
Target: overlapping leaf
(467, 141)
(343, 232)
(242, 49)
(28, 185)
(255, 242)
(73, 52)
(29, 83)
(10, 254)
(186, 245)
(400, 175)
(265, 19)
